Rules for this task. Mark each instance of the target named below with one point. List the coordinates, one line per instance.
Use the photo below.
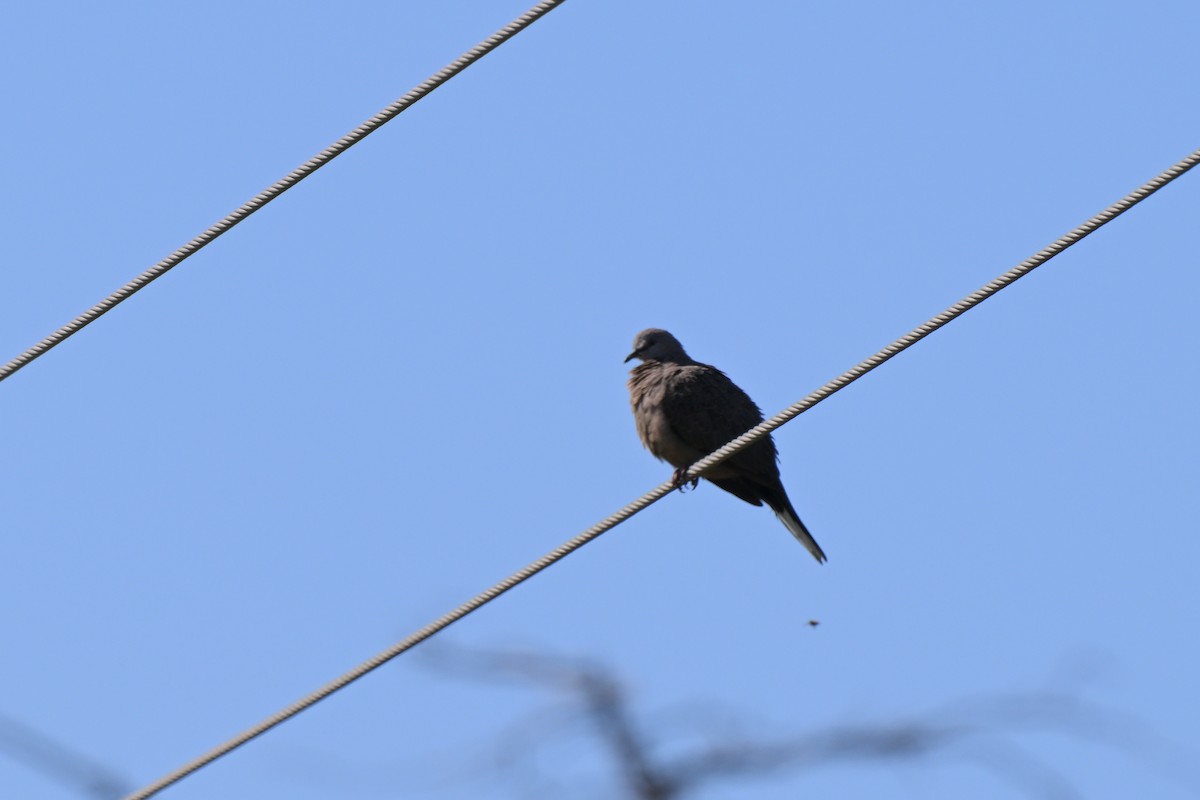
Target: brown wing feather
(740, 488)
(706, 409)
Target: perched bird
(685, 410)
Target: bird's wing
(706, 410)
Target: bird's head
(655, 344)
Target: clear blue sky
(403, 380)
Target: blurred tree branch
(980, 731)
(59, 762)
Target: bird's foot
(679, 479)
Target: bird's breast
(660, 438)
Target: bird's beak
(631, 356)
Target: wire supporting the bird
(279, 187)
(653, 496)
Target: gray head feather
(655, 344)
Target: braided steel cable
(279, 187)
(962, 306)
(743, 441)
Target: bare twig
(980, 730)
(59, 762)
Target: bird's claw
(679, 479)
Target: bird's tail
(782, 507)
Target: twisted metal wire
(740, 443)
(279, 187)
(962, 306)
